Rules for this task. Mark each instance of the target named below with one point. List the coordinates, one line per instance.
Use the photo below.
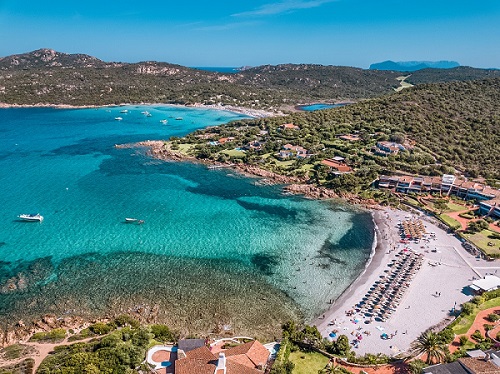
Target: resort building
(487, 197)
(248, 358)
(336, 166)
(488, 283)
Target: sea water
(216, 249)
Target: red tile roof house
(289, 126)
(340, 167)
(248, 358)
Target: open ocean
(216, 249)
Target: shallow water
(215, 247)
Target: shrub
(416, 366)
(51, 336)
(124, 320)
(477, 336)
(478, 300)
(468, 308)
(101, 328)
(493, 317)
(488, 327)
(464, 340)
(162, 333)
(447, 335)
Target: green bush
(488, 327)
(464, 340)
(447, 335)
(478, 300)
(468, 308)
(101, 328)
(163, 333)
(124, 320)
(493, 317)
(477, 336)
(51, 336)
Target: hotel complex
(488, 198)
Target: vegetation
(432, 345)
(52, 336)
(307, 362)
(121, 351)
(446, 127)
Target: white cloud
(283, 6)
(226, 26)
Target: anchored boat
(31, 217)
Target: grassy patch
(308, 362)
(465, 322)
(452, 222)
(481, 241)
(185, 149)
(453, 207)
(234, 153)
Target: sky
(258, 32)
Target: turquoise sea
(216, 248)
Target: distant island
(413, 65)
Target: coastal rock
(311, 191)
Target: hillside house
(336, 167)
(388, 148)
(289, 126)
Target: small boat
(163, 121)
(134, 220)
(31, 217)
(118, 118)
(124, 111)
(178, 119)
(149, 115)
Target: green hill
(446, 127)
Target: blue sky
(258, 32)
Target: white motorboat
(118, 118)
(163, 121)
(31, 217)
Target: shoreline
(373, 263)
(291, 185)
(254, 113)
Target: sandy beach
(435, 289)
(251, 112)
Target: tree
(416, 366)
(430, 344)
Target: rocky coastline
(157, 149)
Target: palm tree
(432, 345)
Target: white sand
(420, 308)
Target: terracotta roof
(289, 126)
(405, 179)
(254, 350)
(186, 366)
(336, 165)
(242, 359)
(236, 368)
(478, 366)
(202, 353)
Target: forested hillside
(49, 77)
(445, 127)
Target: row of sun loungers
(386, 294)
